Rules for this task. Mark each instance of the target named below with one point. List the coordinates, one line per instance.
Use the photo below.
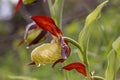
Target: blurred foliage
(14, 60)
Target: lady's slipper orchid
(48, 25)
(49, 53)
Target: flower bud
(33, 34)
(28, 1)
(47, 53)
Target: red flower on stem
(47, 25)
(46, 53)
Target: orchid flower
(45, 24)
(56, 51)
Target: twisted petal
(47, 23)
(28, 28)
(78, 66)
(65, 51)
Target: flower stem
(74, 43)
(66, 74)
(85, 59)
(56, 10)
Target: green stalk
(56, 10)
(75, 43)
(66, 73)
(85, 59)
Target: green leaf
(86, 31)
(116, 46)
(113, 65)
(56, 11)
(95, 14)
(113, 60)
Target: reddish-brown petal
(18, 6)
(20, 42)
(32, 63)
(78, 66)
(48, 24)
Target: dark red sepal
(18, 6)
(59, 60)
(32, 63)
(20, 42)
(78, 66)
(47, 23)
